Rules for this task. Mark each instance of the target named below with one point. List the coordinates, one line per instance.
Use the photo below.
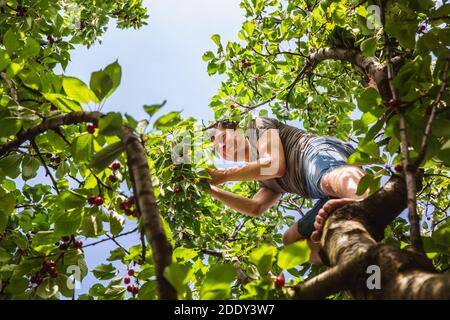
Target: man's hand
(217, 176)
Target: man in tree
(285, 159)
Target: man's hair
(226, 124)
(221, 124)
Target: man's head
(229, 140)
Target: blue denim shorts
(321, 155)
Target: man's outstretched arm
(263, 200)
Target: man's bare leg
(291, 235)
(342, 183)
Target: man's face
(229, 144)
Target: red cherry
(135, 290)
(126, 280)
(177, 190)
(54, 274)
(181, 178)
(280, 281)
(98, 201)
(131, 272)
(115, 165)
(130, 288)
(49, 264)
(128, 212)
(393, 103)
(135, 214)
(91, 200)
(131, 200)
(398, 168)
(78, 244)
(91, 128)
(122, 206)
(63, 246)
(112, 178)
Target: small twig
(113, 239)
(88, 245)
(47, 170)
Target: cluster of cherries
(130, 288)
(129, 208)
(69, 241)
(96, 201)
(54, 160)
(245, 64)
(115, 166)
(48, 267)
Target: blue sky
(161, 61)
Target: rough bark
(148, 208)
(142, 187)
(366, 65)
(350, 244)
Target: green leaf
(152, 109)
(216, 39)
(69, 222)
(70, 200)
(11, 41)
(208, 55)
(293, 255)
(104, 82)
(263, 258)
(63, 102)
(104, 271)
(8, 201)
(116, 223)
(442, 235)
(217, 283)
(82, 147)
(369, 47)
(364, 184)
(110, 124)
(4, 60)
(31, 49)
(106, 156)
(249, 27)
(182, 254)
(47, 289)
(30, 166)
(369, 100)
(62, 282)
(9, 126)
(179, 276)
(148, 291)
(10, 165)
(167, 121)
(5, 256)
(114, 293)
(91, 227)
(78, 90)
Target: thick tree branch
(148, 207)
(349, 243)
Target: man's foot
(329, 207)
